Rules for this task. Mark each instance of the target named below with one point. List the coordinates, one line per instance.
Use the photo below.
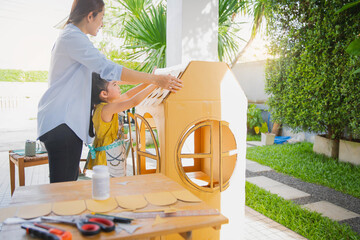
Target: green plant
(310, 83)
(299, 160)
(251, 137)
(141, 24)
(257, 9)
(354, 47)
(309, 224)
(254, 119)
(228, 40)
(264, 128)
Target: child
(109, 140)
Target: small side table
(22, 162)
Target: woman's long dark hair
(81, 8)
(98, 84)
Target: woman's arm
(164, 81)
(79, 48)
(115, 107)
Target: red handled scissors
(87, 227)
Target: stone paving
(278, 188)
(329, 202)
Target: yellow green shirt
(105, 134)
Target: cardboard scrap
(185, 196)
(131, 201)
(101, 206)
(130, 229)
(7, 213)
(16, 220)
(33, 211)
(123, 183)
(160, 198)
(69, 207)
(159, 220)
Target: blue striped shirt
(67, 100)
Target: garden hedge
(310, 79)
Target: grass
(251, 137)
(15, 75)
(299, 160)
(308, 224)
(11, 75)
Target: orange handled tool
(47, 232)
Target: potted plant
(349, 146)
(254, 119)
(266, 137)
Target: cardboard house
(199, 136)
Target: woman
(64, 109)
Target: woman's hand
(164, 81)
(169, 82)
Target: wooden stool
(22, 162)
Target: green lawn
(308, 224)
(251, 137)
(14, 75)
(299, 160)
(11, 75)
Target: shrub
(254, 119)
(311, 83)
(264, 128)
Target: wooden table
(22, 162)
(140, 184)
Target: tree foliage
(354, 47)
(310, 80)
(228, 40)
(141, 26)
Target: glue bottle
(100, 183)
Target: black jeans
(64, 150)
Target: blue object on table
(281, 139)
(21, 152)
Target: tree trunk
(241, 52)
(276, 128)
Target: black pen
(114, 218)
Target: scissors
(87, 227)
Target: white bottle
(100, 183)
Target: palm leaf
(348, 5)
(135, 7)
(228, 41)
(147, 37)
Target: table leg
(12, 175)
(186, 235)
(21, 172)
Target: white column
(191, 31)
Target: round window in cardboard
(206, 155)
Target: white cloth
(67, 100)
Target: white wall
(28, 33)
(18, 104)
(251, 76)
(191, 32)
